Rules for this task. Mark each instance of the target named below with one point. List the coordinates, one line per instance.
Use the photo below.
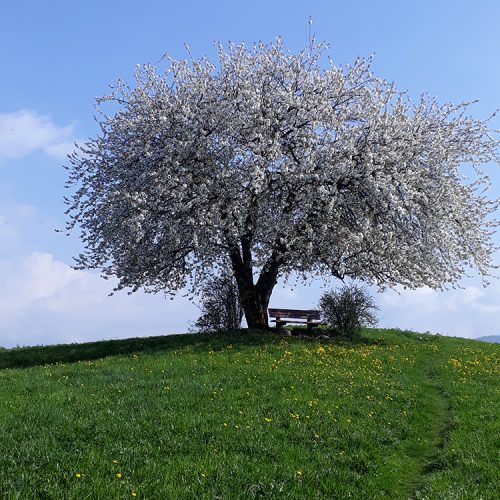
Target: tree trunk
(253, 301)
(254, 297)
(255, 308)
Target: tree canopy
(280, 163)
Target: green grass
(247, 415)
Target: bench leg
(280, 324)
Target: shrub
(348, 309)
(221, 305)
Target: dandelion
(118, 475)
(78, 474)
(299, 472)
(268, 420)
(134, 494)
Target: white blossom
(277, 164)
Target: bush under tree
(348, 309)
(221, 305)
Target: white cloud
(285, 294)
(45, 301)
(471, 294)
(8, 233)
(25, 131)
(472, 311)
(17, 223)
(424, 298)
(36, 277)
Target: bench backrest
(294, 313)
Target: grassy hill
(391, 415)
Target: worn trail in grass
(436, 407)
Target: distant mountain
(490, 338)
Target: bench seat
(309, 317)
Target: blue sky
(58, 56)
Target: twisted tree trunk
(254, 306)
(254, 296)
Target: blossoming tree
(273, 163)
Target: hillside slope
(391, 415)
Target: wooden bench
(308, 317)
